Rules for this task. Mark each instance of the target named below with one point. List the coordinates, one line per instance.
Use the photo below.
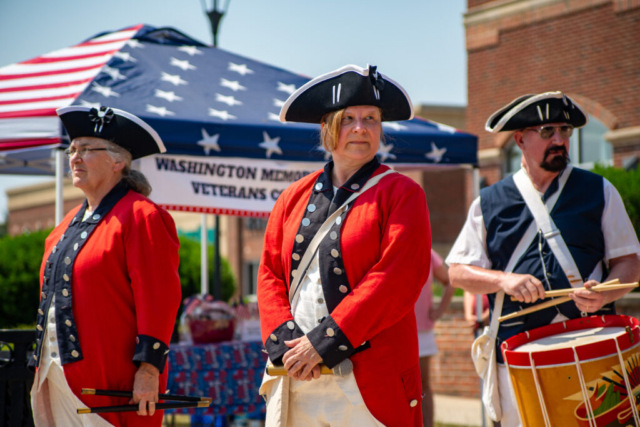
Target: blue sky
(418, 43)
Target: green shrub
(628, 185)
(20, 259)
(21, 256)
(190, 271)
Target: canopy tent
(203, 101)
(217, 113)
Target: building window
(587, 147)
(250, 276)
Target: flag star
(184, 65)
(224, 115)
(278, 103)
(445, 128)
(209, 142)
(436, 153)
(384, 151)
(104, 90)
(394, 125)
(275, 118)
(175, 79)
(114, 73)
(234, 86)
(95, 105)
(240, 68)
(286, 88)
(125, 56)
(229, 100)
(134, 43)
(270, 144)
(191, 50)
(169, 96)
(161, 111)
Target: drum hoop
(564, 356)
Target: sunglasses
(547, 132)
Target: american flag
(30, 91)
(203, 101)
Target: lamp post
(215, 17)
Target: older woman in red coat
(109, 281)
(352, 297)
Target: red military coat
(124, 290)
(375, 268)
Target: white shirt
(620, 238)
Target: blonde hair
(330, 132)
(134, 179)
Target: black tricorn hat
(117, 126)
(345, 87)
(535, 110)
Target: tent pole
(59, 185)
(204, 259)
(217, 283)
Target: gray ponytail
(133, 178)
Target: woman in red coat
(109, 281)
(352, 298)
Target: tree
(628, 185)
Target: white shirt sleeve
(619, 236)
(471, 245)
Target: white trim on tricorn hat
(511, 116)
(118, 126)
(322, 97)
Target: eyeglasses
(81, 152)
(547, 132)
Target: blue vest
(577, 214)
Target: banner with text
(219, 185)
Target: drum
(582, 372)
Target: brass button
(156, 346)
(67, 260)
(335, 253)
(413, 403)
(96, 217)
(65, 276)
(54, 250)
(75, 353)
(291, 325)
(355, 186)
(72, 338)
(68, 322)
(343, 289)
(339, 220)
(83, 235)
(40, 311)
(295, 257)
(293, 273)
(311, 208)
(274, 338)
(319, 186)
(333, 235)
(40, 328)
(337, 271)
(299, 238)
(65, 293)
(75, 247)
(343, 348)
(306, 222)
(330, 332)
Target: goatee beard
(557, 163)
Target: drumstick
(133, 408)
(606, 286)
(117, 393)
(535, 308)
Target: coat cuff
(275, 345)
(330, 342)
(151, 350)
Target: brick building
(589, 49)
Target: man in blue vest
(588, 212)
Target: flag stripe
(53, 104)
(16, 145)
(25, 95)
(22, 69)
(96, 69)
(29, 128)
(71, 96)
(50, 79)
(29, 113)
(46, 86)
